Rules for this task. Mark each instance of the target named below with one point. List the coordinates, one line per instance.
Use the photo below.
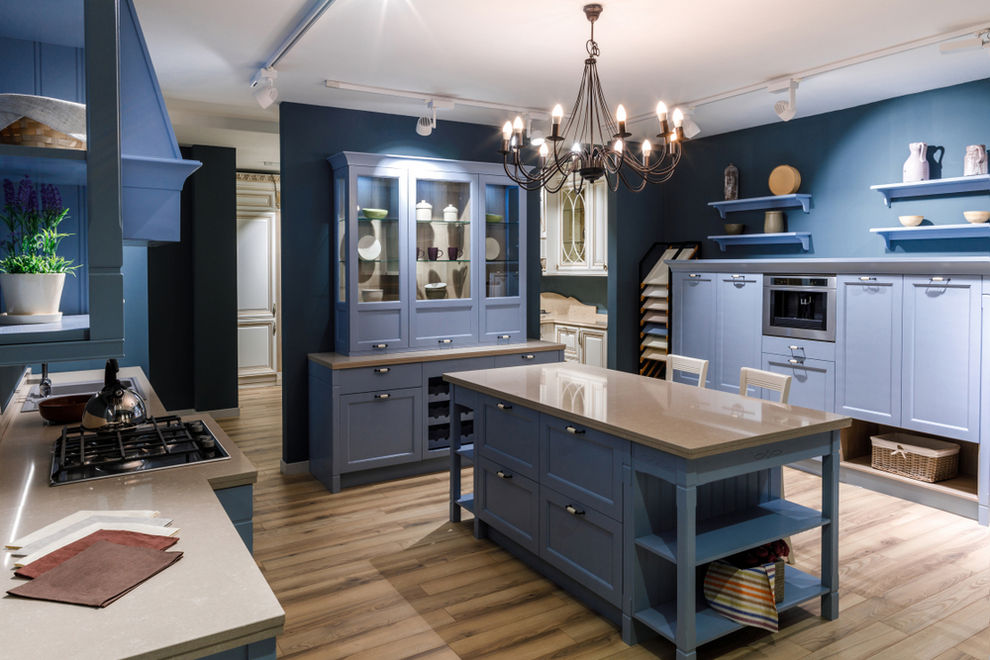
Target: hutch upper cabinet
(575, 225)
(428, 253)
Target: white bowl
(976, 217)
(435, 290)
(372, 295)
(369, 248)
(910, 220)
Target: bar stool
(694, 366)
(777, 383)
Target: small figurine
(976, 160)
(731, 186)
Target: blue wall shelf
(66, 166)
(802, 238)
(762, 204)
(927, 232)
(959, 184)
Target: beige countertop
(338, 361)
(212, 599)
(600, 323)
(679, 419)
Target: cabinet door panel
(593, 349)
(584, 464)
(582, 543)
(445, 324)
(568, 336)
(511, 436)
(693, 316)
(508, 502)
(812, 381)
(738, 328)
(868, 348)
(942, 356)
(380, 428)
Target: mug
(453, 253)
(420, 254)
(433, 253)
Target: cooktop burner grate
(161, 442)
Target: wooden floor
(378, 572)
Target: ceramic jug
(916, 166)
(976, 160)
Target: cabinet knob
(574, 431)
(867, 278)
(383, 396)
(381, 370)
(445, 341)
(379, 346)
(571, 509)
(527, 356)
(503, 406)
(502, 474)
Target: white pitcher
(916, 166)
(976, 160)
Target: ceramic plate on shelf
(369, 248)
(492, 248)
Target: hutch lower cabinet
(377, 417)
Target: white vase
(34, 293)
(975, 161)
(916, 166)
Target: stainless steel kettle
(114, 405)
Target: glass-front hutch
(428, 253)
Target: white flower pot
(34, 293)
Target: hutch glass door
(501, 241)
(378, 250)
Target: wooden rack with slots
(654, 304)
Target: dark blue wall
(591, 289)
(308, 136)
(840, 155)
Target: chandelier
(592, 145)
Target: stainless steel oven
(800, 306)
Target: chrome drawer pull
(571, 510)
(796, 348)
(445, 341)
(528, 356)
(503, 406)
(737, 277)
(381, 370)
(796, 361)
(939, 278)
(503, 475)
(867, 278)
(694, 275)
(573, 431)
(383, 396)
(379, 345)
(503, 337)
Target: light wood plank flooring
(378, 572)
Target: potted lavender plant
(32, 274)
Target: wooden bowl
(784, 180)
(64, 409)
(910, 220)
(976, 217)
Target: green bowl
(375, 214)
(493, 217)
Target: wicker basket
(778, 580)
(30, 133)
(915, 457)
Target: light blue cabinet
(984, 456)
(812, 381)
(427, 252)
(739, 305)
(693, 319)
(868, 347)
(941, 356)
(380, 428)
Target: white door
(257, 278)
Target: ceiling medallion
(592, 145)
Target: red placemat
(119, 536)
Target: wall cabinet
(427, 253)
(868, 347)
(576, 241)
(941, 355)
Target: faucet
(45, 386)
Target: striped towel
(744, 595)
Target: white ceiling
(530, 54)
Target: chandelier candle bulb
(678, 118)
(557, 114)
(647, 147)
(620, 116)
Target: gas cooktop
(159, 443)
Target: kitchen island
(622, 488)
(212, 601)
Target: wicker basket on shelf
(915, 457)
(30, 133)
(778, 579)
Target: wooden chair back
(765, 379)
(695, 366)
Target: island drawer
(799, 349)
(379, 377)
(532, 357)
(510, 437)
(508, 502)
(583, 463)
(582, 543)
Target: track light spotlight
(690, 126)
(263, 84)
(426, 123)
(786, 109)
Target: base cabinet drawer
(536, 357)
(582, 543)
(383, 377)
(583, 463)
(812, 381)
(380, 428)
(511, 436)
(508, 502)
